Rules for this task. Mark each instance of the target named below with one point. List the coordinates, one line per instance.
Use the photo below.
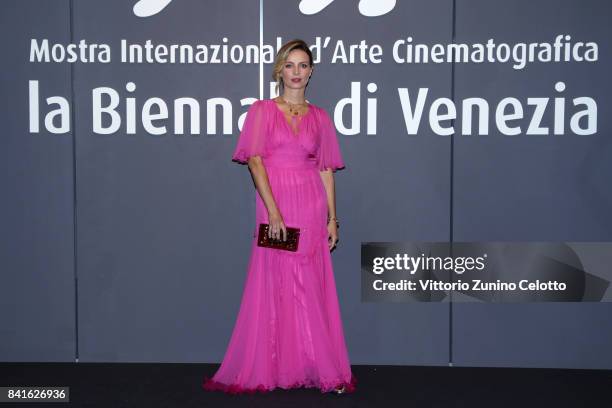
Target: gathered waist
(299, 163)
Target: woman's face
(296, 70)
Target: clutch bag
(291, 244)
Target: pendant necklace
(292, 109)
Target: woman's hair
(281, 57)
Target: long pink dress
(288, 333)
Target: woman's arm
(262, 183)
(332, 228)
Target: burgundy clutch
(291, 244)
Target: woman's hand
(332, 234)
(277, 226)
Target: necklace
(294, 111)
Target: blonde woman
(289, 333)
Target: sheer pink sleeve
(252, 139)
(328, 156)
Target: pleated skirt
(288, 333)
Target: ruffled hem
(211, 385)
(241, 157)
(333, 167)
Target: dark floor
(179, 385)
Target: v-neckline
(299, 124)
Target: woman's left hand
(332, 234)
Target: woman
(289, 333)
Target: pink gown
(288, 333)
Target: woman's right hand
(277, 228)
